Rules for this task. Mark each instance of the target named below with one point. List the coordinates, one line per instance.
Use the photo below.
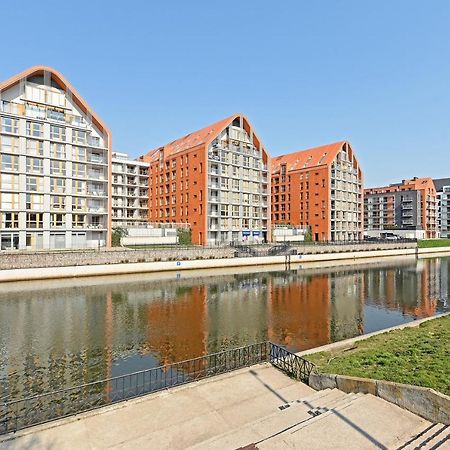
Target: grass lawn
(427, 243)
(419, 355)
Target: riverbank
(200, 263)
(412, 355)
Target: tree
(308, 234)
(117, 234)
(184, 236)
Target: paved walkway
(232, 411)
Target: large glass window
(58, 151)
(58, 133)
(57, 167)
(34, 184)
(9, 162)
(35, 165)
(57, 202)
(56, 220)
(35, 148)
(9, 144)
(9, 181)
(9, 220)
(9, 200)
(10, 125)
(35, 129)
(34, 220)
(79, 137)
(57, 185)
(35, 202)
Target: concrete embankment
(180, 265)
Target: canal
(56, 334)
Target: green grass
(418, 355)
(427, 243)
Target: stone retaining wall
(425, 402)
(28, 260)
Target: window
(79, 153)
(9, 200)
(35, 165)
(10, 125)
(56, 220)
(78, 220)
(35, 129)
(9, 144)
(35, 111)
(9, 220)
(79, 137)
(55, 114)
(57, 202)
(34, 184)
(58, 133)
(34, 220)
(57, 185)
(35, 148)
(79, 170)
(57, 167)
(35, 202)
(58, 151)
(9, 181)
(79, 204)
(79, 187)
(9, 162)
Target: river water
(57, 334)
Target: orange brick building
(410, 204)
(320, 188)
(216, 179)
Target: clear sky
(306, 73)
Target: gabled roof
(305, 159)
(65, 85)
(201, 137)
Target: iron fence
(294, 365)
(18, 414)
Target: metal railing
(38, 409)
(294, 365)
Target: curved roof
(61, 81)
(304, 159)
(201, 137)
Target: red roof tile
(303, 159)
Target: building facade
(320, 189)
(54, 165)
(442, 186)
(215, 179)
(409, 205)
(129, 190)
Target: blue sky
(305, 73)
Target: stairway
(332, 419)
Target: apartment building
(442, 186)
(54, 165)
(409, 205)
(319, 188)
(129, 190)
(217, 180)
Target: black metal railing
(18, 414)
(295, 366)
(38, 409)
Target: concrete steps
(284, 418)
(332, 419)
(435, 436)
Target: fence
(26, 412)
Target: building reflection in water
(64, 336)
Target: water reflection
(67, 333)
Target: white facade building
(129, 190)
(54, 165)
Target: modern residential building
(217, 180)
(442, 186)
(129, 190)
(319, 188)
(55, 157)
(402, 207)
